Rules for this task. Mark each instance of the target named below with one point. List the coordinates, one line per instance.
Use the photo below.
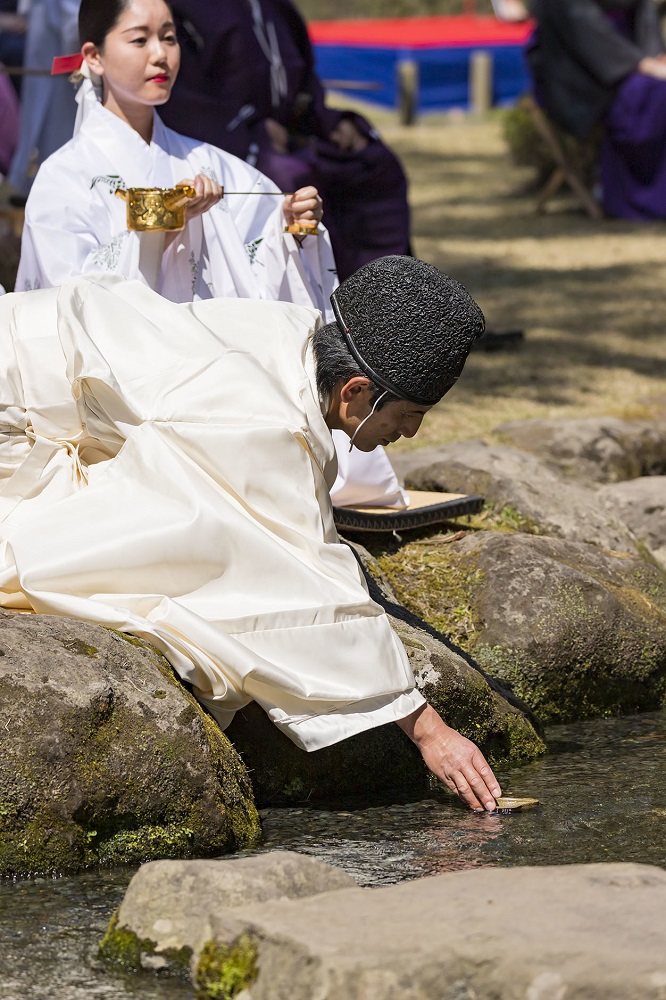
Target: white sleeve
(61, 240)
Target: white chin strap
(88, 95)
(374, 407)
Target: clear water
(603, 794)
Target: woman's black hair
(98, 17)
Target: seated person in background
(13, 27)
(248, 85)
(182, 493)
(604, 61)
(48, 108)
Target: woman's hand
(207, 193)
(452, 758)
(304, 204)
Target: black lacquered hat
(409, 326)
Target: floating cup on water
(512, 804)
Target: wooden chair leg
(550, 188)
(564, 170)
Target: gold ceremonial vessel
(156, 209)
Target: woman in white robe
(231, 245)
(190, 506)
(236, 246)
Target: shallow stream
(603, 794)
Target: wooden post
(408, 90)
(480, 82)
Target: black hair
(98, 17)
(335, 363)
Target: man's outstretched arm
(452, 758)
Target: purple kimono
(584, 61)
(243, 61)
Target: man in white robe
(177, 487)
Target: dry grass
(589, 295)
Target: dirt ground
(589, 295)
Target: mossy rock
(574, 631)
(107, 758)
(383, 760)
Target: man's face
(390, 422)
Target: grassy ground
(589, 295)
(336, 9)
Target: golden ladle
(163, 209)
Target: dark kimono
(244, 61)
(584, 60)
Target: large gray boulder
(105, 756)
(593, 449)
(573, 630)
(641, 504)
(171, 909)
(592, 931)
(384, 758)
(523, 489)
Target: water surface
(603, 794)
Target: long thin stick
(274, 193)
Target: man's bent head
(403, 332)
(409, 326)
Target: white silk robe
(74, 223)
(175, 485)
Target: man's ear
(90, 54)
(354, 387)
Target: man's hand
(347, 137)
(452, 758)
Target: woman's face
(140, 57)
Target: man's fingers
(482, 786)
(464, 790)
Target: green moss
(42, 845)
(121, 947)
(223, 972)
(80, 647)
(579, 667)
(133, 640)
(145, 843)
(437, 584)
